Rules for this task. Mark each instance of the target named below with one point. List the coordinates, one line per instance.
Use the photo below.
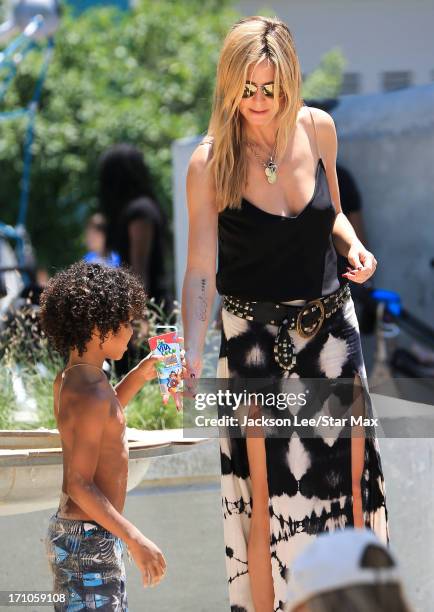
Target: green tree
(144, 76)
(326, 80)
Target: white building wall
(374, 35)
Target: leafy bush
(326, 80)
(144, 76)
(146, 410)
(7, 398)
(26, 356)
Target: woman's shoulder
(202, 154)
(323, 120)
(200, 178)
(323, 127)
(199, 164)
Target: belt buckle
(318, 303)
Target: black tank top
(264, 256)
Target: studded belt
(306, 319)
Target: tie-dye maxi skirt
(309, 479)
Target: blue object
(79, 6)
(60, 554)
(92, 579)
(391, 299)
(14, 53)
(32, 109)
(113, 259)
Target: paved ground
(186, 523)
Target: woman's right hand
(193, 364)
(149, 559)
(192, 371)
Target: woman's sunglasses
(251, 88)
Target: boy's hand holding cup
(148, 366)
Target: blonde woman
(262, 187)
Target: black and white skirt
(309, 479)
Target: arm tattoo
(201, 305)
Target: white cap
(333, 561)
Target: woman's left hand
(178, 395)
(363, 262)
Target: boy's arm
(136, 378)
(90, 416)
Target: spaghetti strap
(207, 140)
(316, 136)
(63, 378)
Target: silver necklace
(270, 165)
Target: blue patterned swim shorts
(87, 565)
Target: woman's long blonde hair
(249, 41)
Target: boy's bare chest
(115, 431)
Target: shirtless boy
(86, 313)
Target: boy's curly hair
(85, 296)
